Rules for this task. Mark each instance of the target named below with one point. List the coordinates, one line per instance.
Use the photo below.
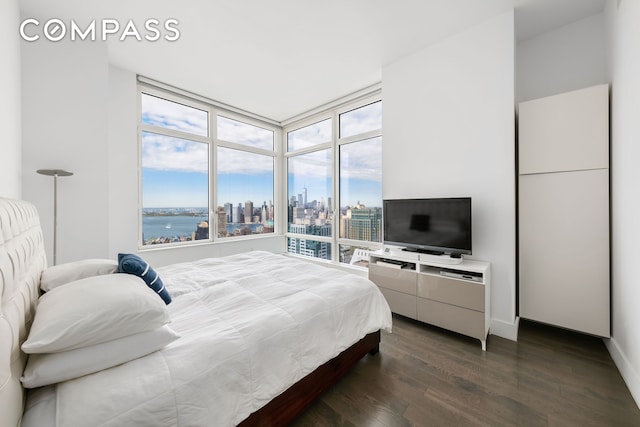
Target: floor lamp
(55, 173)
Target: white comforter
(251, 325)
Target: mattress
(250, 326)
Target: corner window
(334, 183)
(202, 185)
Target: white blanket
(251, 325)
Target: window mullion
(318, 147)
(213, 177)
(360, 137)
(144, 127)
(335, 209)
(242, 147)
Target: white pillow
(92, 311)
(51, 368)
(61, 274)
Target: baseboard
(628, 372)
(508, 330)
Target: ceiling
(279, 58)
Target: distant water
(181, 225)
(170, 226)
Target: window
(245, 193)
(323, 167)
(211, 174)
(180, 143)
(175, 188)
(310, 189)
(361, 190)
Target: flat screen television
(437, 226)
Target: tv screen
(429, 225)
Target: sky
(174, 170)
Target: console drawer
(451, 291)
(391, 278)
(462, 320)
(400, 303)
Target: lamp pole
(55, 173)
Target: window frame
(213, 142)
(336, 142)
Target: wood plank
(428, 376)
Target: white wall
(568, 58)
(123, 161)
(10, 113)
(449, 131)
(624, 346)
(64, 109)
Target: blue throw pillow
(133, 264)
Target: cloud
(309, 136)
(362, 160)
(360, 120)
(230, 161)
(243, 133)
(167, 153)
(358, 160)
(316, 164)
(171, 115)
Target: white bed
(251, 326)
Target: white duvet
(251, 325)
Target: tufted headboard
(22, 259)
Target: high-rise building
(202, 231)
(310, 248)
(297, 213)
(364, 224)
(248, 211)
(238, 214)
(223, 214)
(228, 209)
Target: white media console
(452, 293)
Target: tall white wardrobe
(563, 159)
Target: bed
(258, 336)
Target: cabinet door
(565, 132)
(564, 250)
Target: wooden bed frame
(289, 405)
(22, 260)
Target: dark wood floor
(426, 376)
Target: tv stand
(451, 296)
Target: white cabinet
(454, 297)
(564, 210)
